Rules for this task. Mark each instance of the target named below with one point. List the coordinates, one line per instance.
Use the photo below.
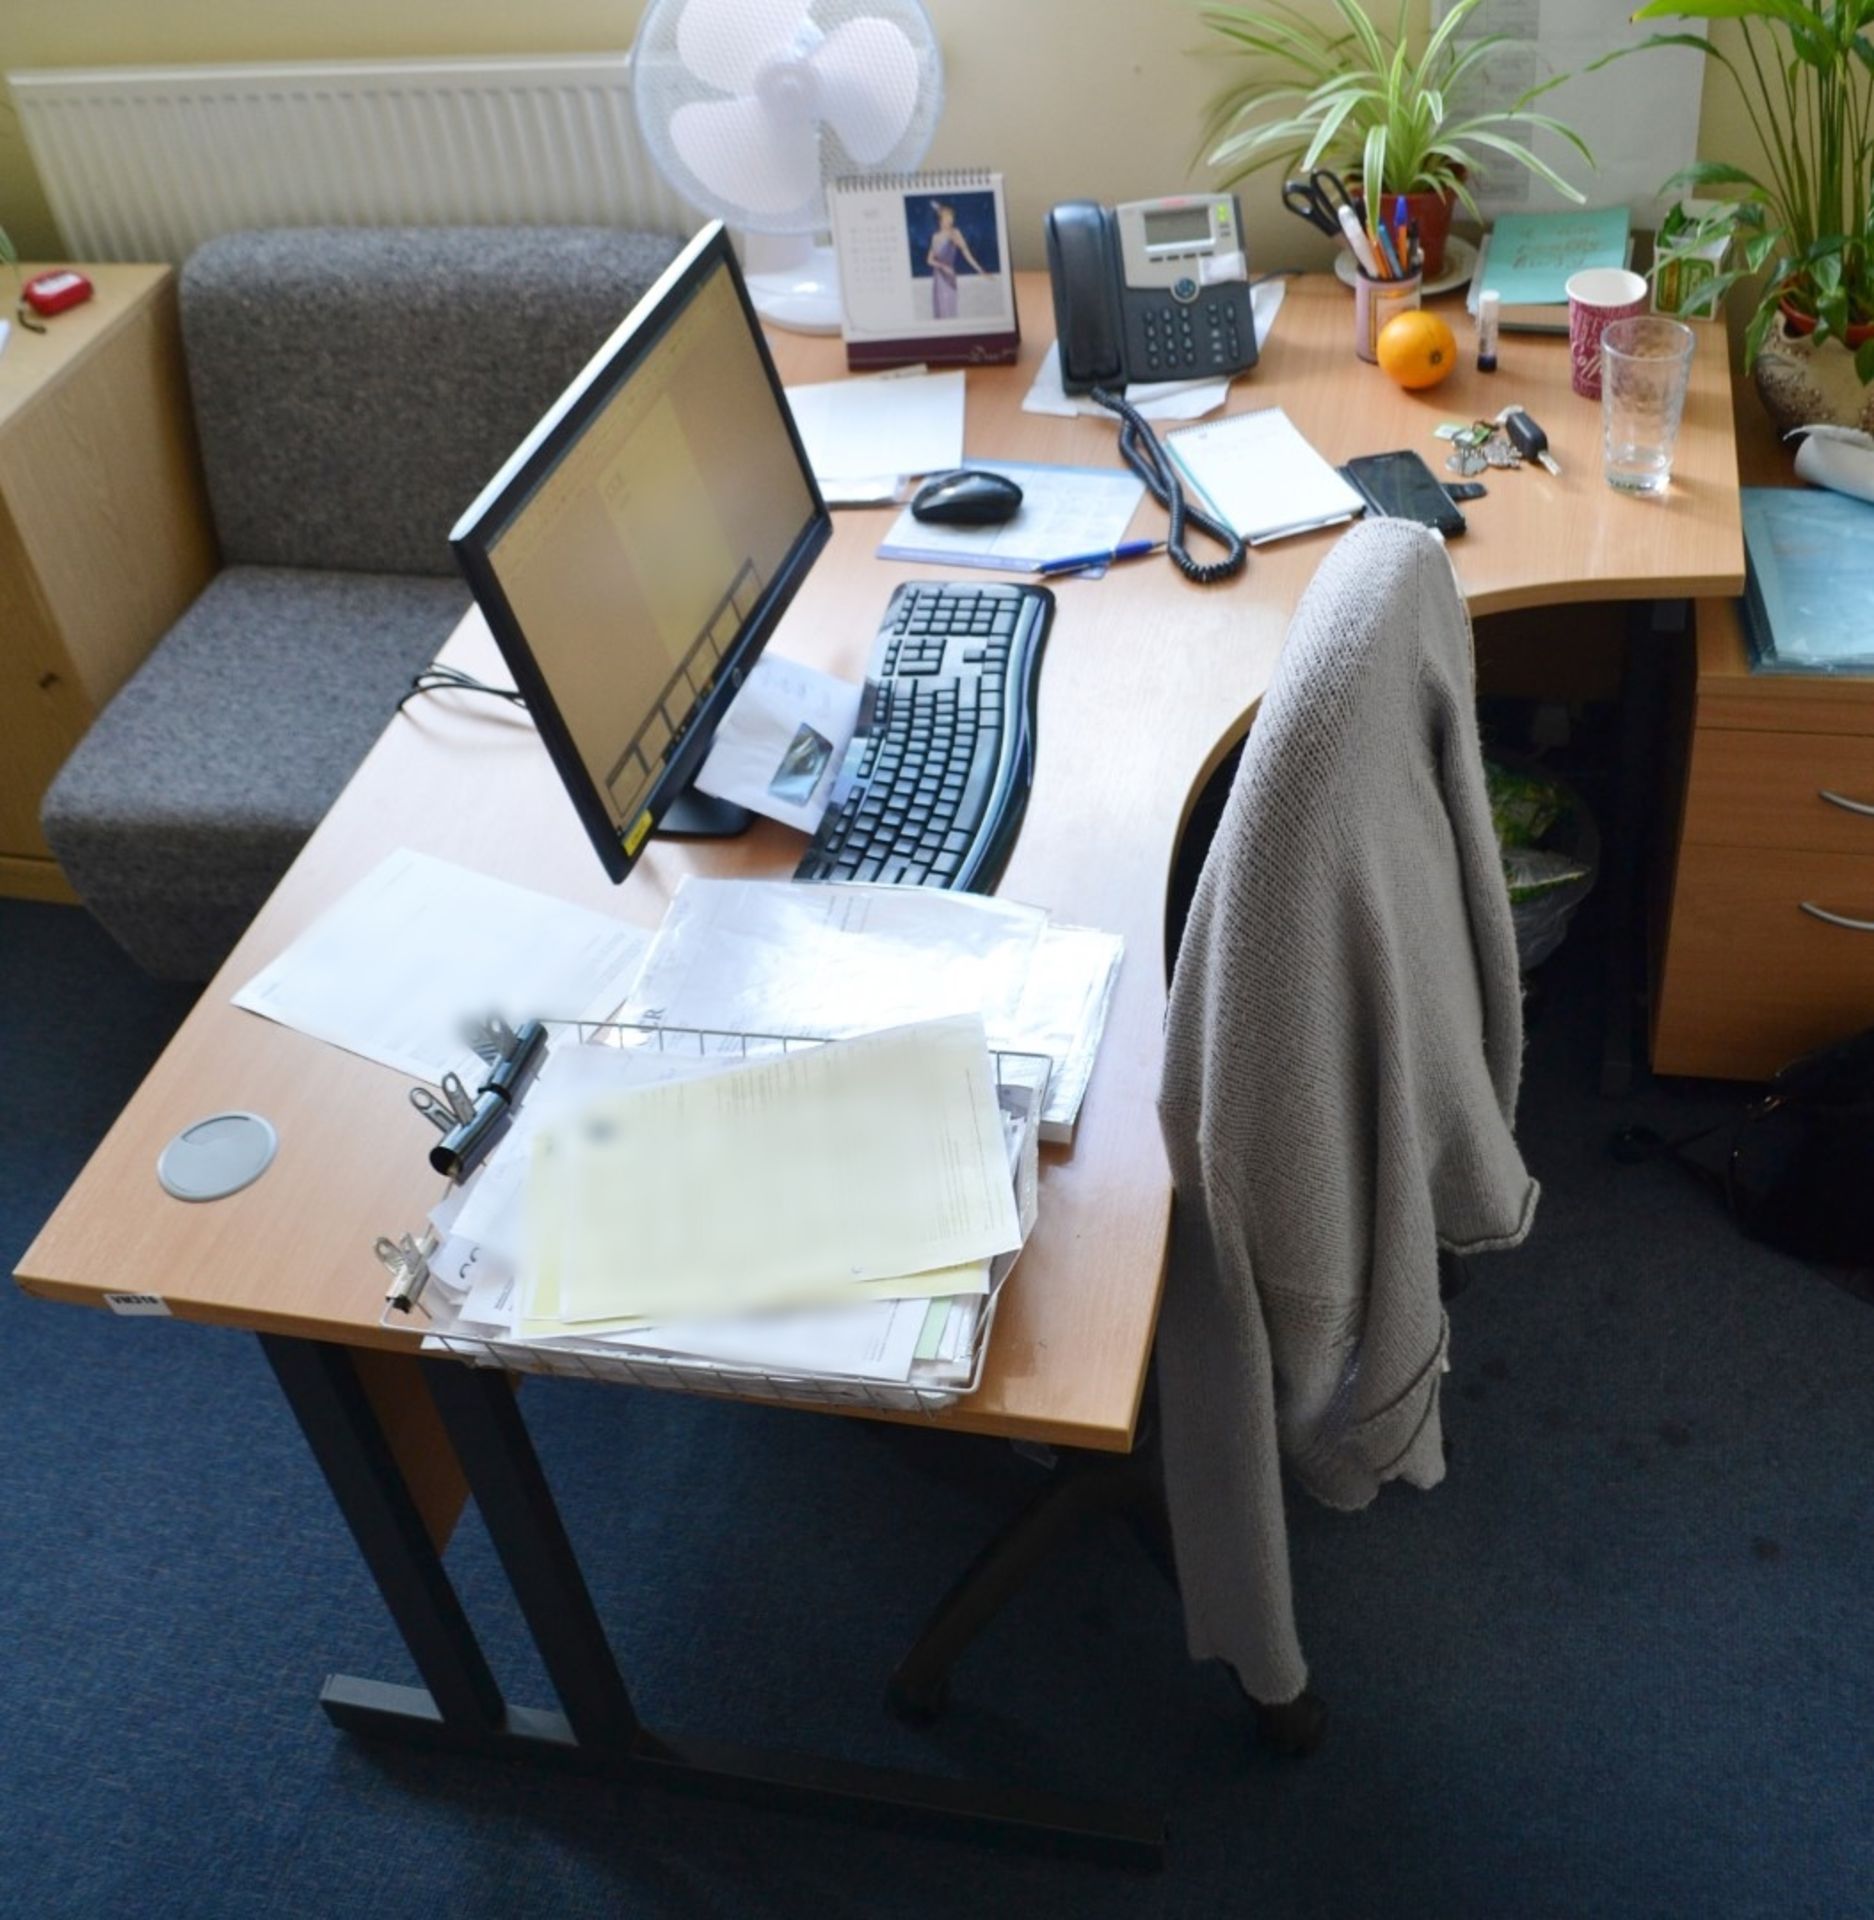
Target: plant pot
(1801, 325)
(1432, 211)
(1804, 383)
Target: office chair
(1083, 1485)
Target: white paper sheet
(881, 424)
(1064, 511)
(871, 1157)
(762, 956)
(1158, 399)
(776, 957)
(1639, 116)
(780, 747)
(395, 967)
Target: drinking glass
(1646, 366)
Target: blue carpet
(1621, 1663)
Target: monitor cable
(437, 678)
(1143, 452)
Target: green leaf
(1363, 30)
(1712, 173)
(1864, 361)
(1801, 22)
(1331, 123)
(1515, 150)
(1441, 38)
(1373, 170)
(1758, 248)
(1755, 334)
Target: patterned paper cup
(1596, 296)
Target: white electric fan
(750, 106)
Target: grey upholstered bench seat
(354, 389)
(200, 782)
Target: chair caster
(1295, 1728)
(914, 1705)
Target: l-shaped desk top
(1146, 683)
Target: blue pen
(1079, 562)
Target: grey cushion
(355, 388)
(203, 778)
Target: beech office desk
(1146, 684)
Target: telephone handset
(1154, 290)
(1150, 290)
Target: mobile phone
(1402, 487)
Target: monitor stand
(700, 816)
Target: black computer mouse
(967, 498)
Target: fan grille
(753, 138)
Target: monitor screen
(635, 553)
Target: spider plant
(1348, 95)
(1806, 77)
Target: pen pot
(1374, 303)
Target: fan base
(803, 297)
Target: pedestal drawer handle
(1836, 919)
(1847, 806)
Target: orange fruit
(1416, 348)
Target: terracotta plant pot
(1432, 211)
(1800, 325)
(1802, 383)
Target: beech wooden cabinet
(1769, 938)
(104, 531)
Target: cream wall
(1095, 98)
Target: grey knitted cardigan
(1342, 1053)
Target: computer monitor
(638, 549)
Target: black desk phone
(1150, 290)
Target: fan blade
(745, 157)
(728, 42)
(868, 73)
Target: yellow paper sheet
(861, 1161)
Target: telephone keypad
(1180, 339)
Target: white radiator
(145, 163)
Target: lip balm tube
(1488, 319)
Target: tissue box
(1679, 285)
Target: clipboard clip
(471, 1126)
(454, 1109)
(408, 1267)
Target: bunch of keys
(1512, 437)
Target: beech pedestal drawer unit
(1769, 946)
(104, 531)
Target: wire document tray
(421, 1297)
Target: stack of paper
(837, 1213)
(864, 436)
(1257, 472)
(822, 962)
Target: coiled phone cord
(1141, 450)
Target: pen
(1393, 270)
(1079, 562)
(1357, 240)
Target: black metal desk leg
(322, 1386)
(483, 1418)
(484, 1422)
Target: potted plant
(1805, 75)
(1347, 95)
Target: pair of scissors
(1317, 200)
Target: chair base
(1084, 1485)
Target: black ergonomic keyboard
(932, 788)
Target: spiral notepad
(924, 269)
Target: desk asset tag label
(137, 1303)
